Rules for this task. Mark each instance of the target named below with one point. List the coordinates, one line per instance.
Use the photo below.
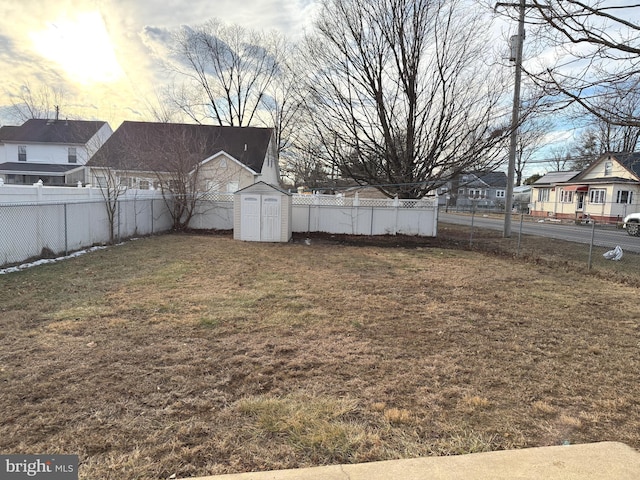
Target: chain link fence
(30, 230)
(582, 245)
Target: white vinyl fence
(39, 221)
(361, 216)
(335, 214)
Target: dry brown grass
(199, 355)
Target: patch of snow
(44, 261)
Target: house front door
(580, 203)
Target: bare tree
(283, 100)
(227, 71)
(560, 159)
(598, 44)
(108, 181)
(531, 136)
(180, 169)
(41, 101)
(400, 88)
(305, 168)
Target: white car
(632, 223)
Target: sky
(98, 51)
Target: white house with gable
(53, 151)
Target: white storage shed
(262, 213)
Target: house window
(566, 197)
(144, 185)
(461, 191)
(608, 168)
(126, 182)
(543, 194)
(212, 186)
(624, 196)
(22, 153)
(72, 155)
(223, 163)
(475, 193)
(499, 193)
(597, 195)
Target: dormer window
(608, 168)
(22, 153)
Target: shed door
(271, 218)
(250, 221)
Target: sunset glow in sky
(81, 46)
(98, 52)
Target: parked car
(632, 223)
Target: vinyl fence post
(118, 206)
(66, 231)
(152, 215)
(371, 231)
(436, 213)
(396, 206)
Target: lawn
(197, 355)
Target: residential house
(220, 159)
(478, 190)
(53, 151)
(606, 191)
(544, 198)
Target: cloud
(140, 32)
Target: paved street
(605, 236)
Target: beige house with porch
(606, 191)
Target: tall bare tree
(227, 71)
(560, 159)
(598, 45)
(401, 89)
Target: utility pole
(515, 117)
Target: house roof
(30, 168)
(552, 178)
(151, 146)
(5, 131)
(490, 178)
(493, 179)
(631, 161)
(38, 130)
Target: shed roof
(261, 184)
(37, 130)
(152, 146)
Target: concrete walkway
(596, 461)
